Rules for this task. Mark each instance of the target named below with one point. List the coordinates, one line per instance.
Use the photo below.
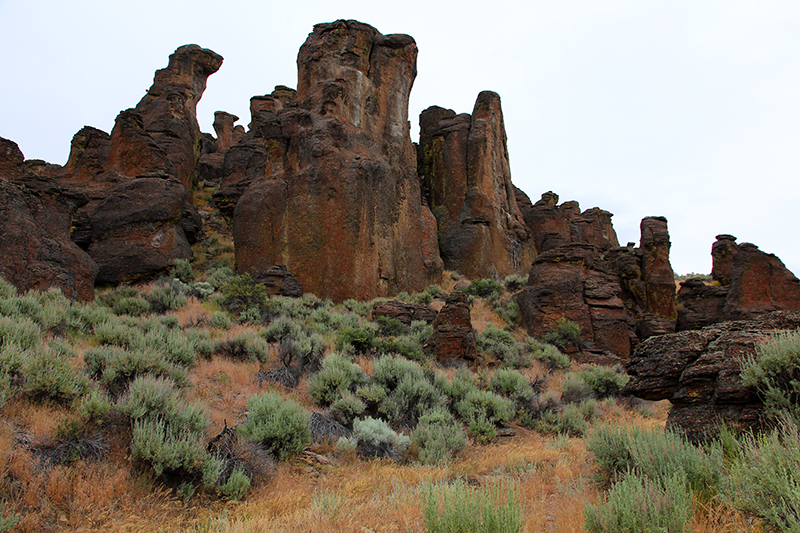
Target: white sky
(686, 109)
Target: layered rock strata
(466, 179)
(698, 372)
(453, 337)
(617, 296)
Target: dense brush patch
(155, 401)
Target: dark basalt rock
(453, 337)
(405, 312)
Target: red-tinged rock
(169, 109)
(658, 277)
(325, 180)
(35, 249)
(552, 225)
(279, 281)
(463, 165)
(405, 312)
(453, 337)
(698, 371)
(760, 283)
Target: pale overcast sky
(686, 109)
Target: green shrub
(152, 398)
(376, 438)
(167, 451)
(7, 523)
(389, 371)
(484, 288)
(484, 411)
(281, 328)
(359, 337)
(217, 277)
(245, 346)
(571, 421)
(639, 504)
(49, 376)
(406, 346)
(280, 425)
(132, 306)
(337, 375)
(166, 298)
(515, 282)
(221, 320)
(435, 291)
(236, 487)
(390, 327)
(574, 388)
(412, 398)
(183, 270)
(655, 454)
(775, 372)
(7, 289)
(346, 408)
(565, 332)
(457, 388)
(438, 437)
(115, 366)
(497, 342)
(764, 479)
(242, 292)
(511, 384)
(604, 381)
(458, 508)
(19, 331)
(94, 407)
(550, 356)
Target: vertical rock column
(463, 164)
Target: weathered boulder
(405, 312)
(747, 283)
(552, 225)
(453, 337)
(279, 281)
(466, 179)
(325, 180)
(698, 371)
(35, 214)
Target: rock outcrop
(552, 225)
(617, 296)
(747, 283)
(139, 217)
(35, 214)
(278, 281)
(453, 337)
(325, 180)
(405, 312)
(698, 371)
(466, 179)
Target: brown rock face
(463, 165)
(749, 283)
(552, 225)
(403, 311)
(617, 296)
(279, 281)
(575, 283)
(453, 336)
(698, 371)
(325, 180)
(35, 213)
(139, 217)
(169, 109)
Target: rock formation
(35, 213)
(552, 225)
(698, 371)
(453, 337)
(747, 284)
(405, 312)
(466, 180)
(325, 180)
(139, 218)
(617, 296)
